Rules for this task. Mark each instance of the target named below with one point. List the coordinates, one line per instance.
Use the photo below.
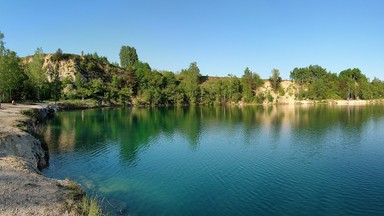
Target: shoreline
(24, 190)
(89, 104)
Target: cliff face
(15, 142)
(66, 68)
(287, 96)
(21, 144)
(72, 67)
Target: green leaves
(275, 79)
(250, 82)
(128, 56)
(189, 82)
(12, 75)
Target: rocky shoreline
(23, 189)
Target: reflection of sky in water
(251, 160)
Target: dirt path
(23, 190)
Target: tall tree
(190, 81)
(351, 83)
(275, 79)
(128, 56)
(170, 86)
(36, 74)
(12, 75)
(250, 82)
(246, 81)
(2, 49)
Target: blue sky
(223, 37)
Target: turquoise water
(277, 160)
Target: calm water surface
(280, 160)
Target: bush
(260, 98)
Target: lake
(271, 160)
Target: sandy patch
(23, 190)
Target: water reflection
(135, 129)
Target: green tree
(351, 83)
(36, 74)
(12, 75)
(275, 79)
(142, 72)
(314, 82)
(247, 85)
(80, 85)
(2, 48)
(97, 89)
(190, 81)
(130, 80)
(125, 95)
(250, 82)
(58, 55)
(234, 88)
(377, 88)
(128, 56)
(300, 75)
(56, 84)
(170, 87)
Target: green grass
(91, 206)
(79, 203)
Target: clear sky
(223, 37)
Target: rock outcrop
(23, 190)
(73, 67)
(18, 143)
(14, 142)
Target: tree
(12, 74)
(275, 79)
(36, 73)
(170, 87)
(142, 71)
(351, 83)
(235, 88)
(247, 85)
(250, 82)
(314, 82)
(377, 88)
(300, 75)
(189, 82)
(2, 48)
(128, 56)
(58, 55)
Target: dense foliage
(42, 77)
(316, 83)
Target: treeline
(315, 83)
(40, 77)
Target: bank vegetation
(62, 76)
